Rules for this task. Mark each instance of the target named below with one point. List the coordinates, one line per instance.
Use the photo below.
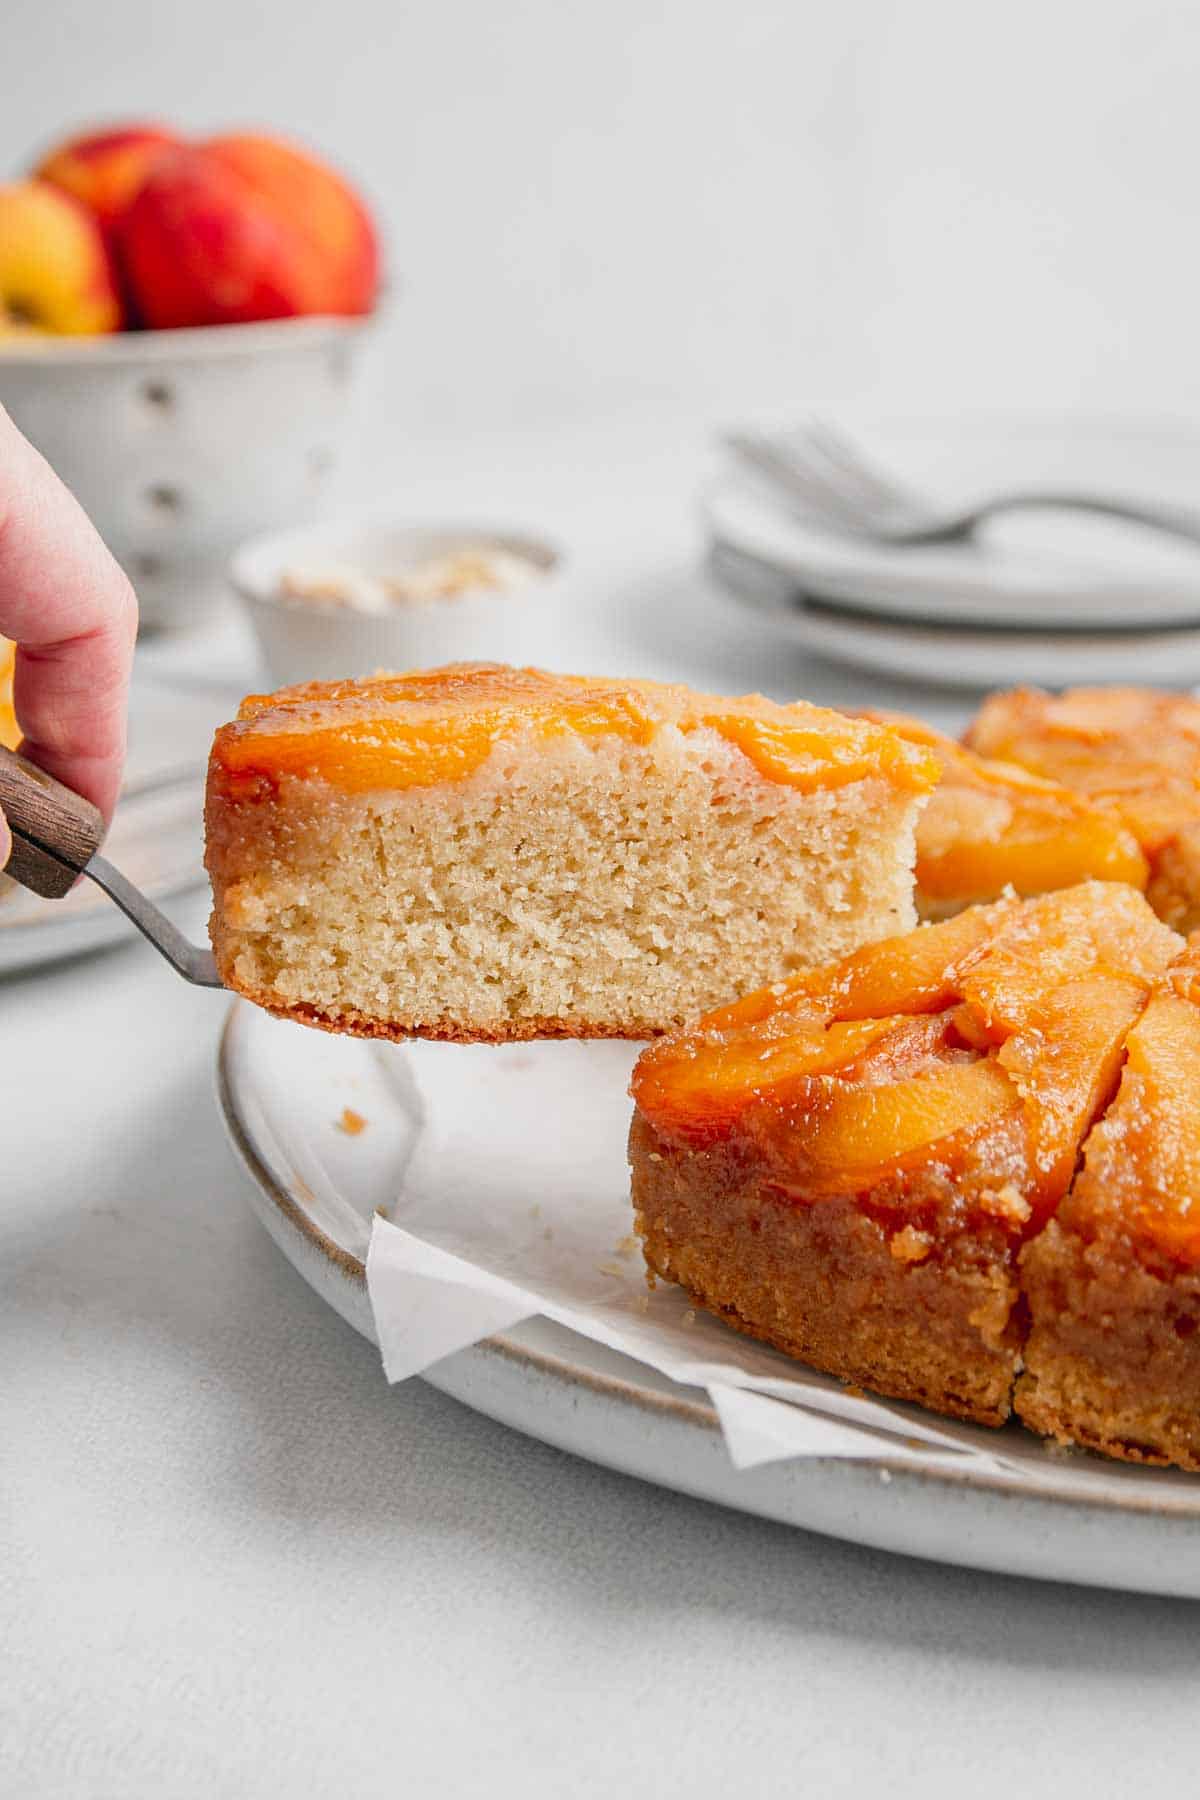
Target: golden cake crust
(828, 1283)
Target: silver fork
(822, 472)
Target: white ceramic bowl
(307, 640)
(179, 444)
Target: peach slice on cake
(991, 826)
(10, 731)
(1132, 752)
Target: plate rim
(997, 1485)
(354, 1270)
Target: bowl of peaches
(180, 326)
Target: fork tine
(837, 495)
(879, 490)
(782, 464)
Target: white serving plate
(156, 840)
(1051, 1515)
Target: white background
(711, 206)
(233, 1563)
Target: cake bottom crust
(351, 1023)
(824, 1282)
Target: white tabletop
(235, 1563)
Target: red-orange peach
(103, 170)
(242, 228)
(56, 274)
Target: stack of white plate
(1043, 598)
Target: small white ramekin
(307, 640)
(180, 444)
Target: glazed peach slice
(10, 731)
(417, 730)
(1132, 752)
(1113, 1283)
(917, 973)
(991, 826)
(857, 1186)
(820, 1021)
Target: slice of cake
(491, 853)
(991, 827)
(849, 1163)
(1133, 751)
(1113, 1283)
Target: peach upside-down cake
(489, 853)
(873, 1166)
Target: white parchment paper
(516, 1203)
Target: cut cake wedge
(486, 853)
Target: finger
(74, 618)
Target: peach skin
(243, 228)
(103, 170)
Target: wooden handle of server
(42, 812)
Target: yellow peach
(55, 271)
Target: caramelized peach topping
(991, 826)
(398, 731)
(1132, 752)
(1142, 1166)
(977, 1051)
(10, 731)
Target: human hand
(73, 617)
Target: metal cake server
(55, 839)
